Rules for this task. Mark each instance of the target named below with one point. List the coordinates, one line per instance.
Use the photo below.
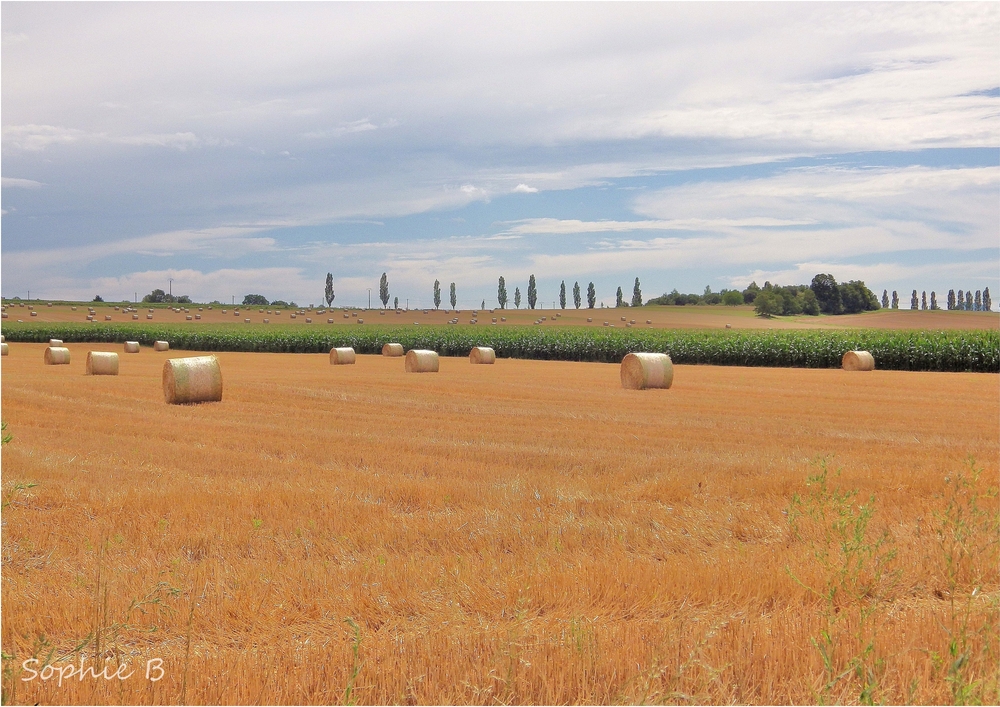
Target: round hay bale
(421, 361)
(308, 320)
(2, 339)
(646, 370)
(392, 350)
(131, 347)
(161, 346)
(196, 379)
(342, 356)
(149, 316)
(729, 326)
(197, 316)
(107, 317)
(361, 321)
(55, 342)
(188, 317)
(246, 321)
(858, 361)
(3, 349)
(136, 316)
(102, 363)
(482, 354)
(590, 319)
(329, 321)
(56, 356)
(266, 320)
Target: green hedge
(907, 350)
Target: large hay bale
(102, 363)
(342, 356)
(3, 349)
(647, 370)
(858, 361)
(55, 342)
(392, 350)
(196, 379)
(56, 356)
(161, 346)
(421, 361)
(131, 347)
(482, 354)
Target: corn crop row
(977, 351)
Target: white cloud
(15, 183)
(525, 189)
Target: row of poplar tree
(963, 301)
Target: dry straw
(161, 346)
(196, 379)
(342, 356)
(102, 363)
(646, 370)
(858, 361)
(56, 356)
(55, 342)
(392, 350)
(421, 361)
(131, 347)
(482, 354)
(3, 349)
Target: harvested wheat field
(527, 532)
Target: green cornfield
(977, 351)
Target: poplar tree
(960, 302)
(532, 292)
(951, 299)
(502, 293)
(968, 301)
(895, 300)
(923, 300)
(517, 297)
(454, 298)
(591, 296)
(437, 294)
(885, 299)
(576, 294)
(329, 295)
(562, 295)
(987, 302)
(619, 300)
(383, 290)
(934, 304)
(914, 304)
(979, 301)
(636, 294)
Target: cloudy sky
(255, 147)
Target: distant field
(662, 317)
(526, 532)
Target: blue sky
(242, 148)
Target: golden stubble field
(660, 317)
(527, 532)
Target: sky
(239, 148)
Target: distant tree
(153, 297)
(960, 301)
(636, 294)
(282, 303)
(619, 300)
(968, 301)
(885, 299)
(733, 298)
(328, 293)
(750, 293)
(183, 299)
(395, 303)
(383, 290)
(827, 292)
(483, 305)
(517, 297)
(951, 299)
(914, 303)
(934, 302)
(502, 293)
(591, 296)
(895, 300)
(255, 301)
(98, 298)
(923, 300)
(532, 292)
(562, 295)
(576, 295)
(454, 299)
(979, 301)
(807, 302)
(767, 304)
(437, 294)
(987, 302)
(855, 297)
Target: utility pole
(407, 304)
(170, 286)
(369, 298)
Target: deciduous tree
(329, 295)
(576, 295)
(383, 290)
(636, 294)
(454, 299)
(502, 293)
(591, 296)
(532, 292)
(437, 294)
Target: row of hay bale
(416, 360)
